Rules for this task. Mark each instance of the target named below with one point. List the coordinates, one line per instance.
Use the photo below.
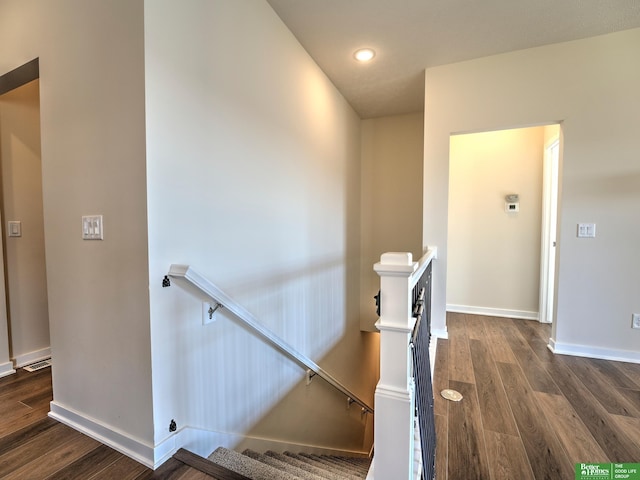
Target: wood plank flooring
(526, 413)
(36, 447)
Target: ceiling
(411, 35)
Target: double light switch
(92, 227)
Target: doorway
(24, 277)
(496, 222)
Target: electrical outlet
(635, 320)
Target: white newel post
(394, 398)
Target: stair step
(337, 463)
(304, 465)
(203, 465)
(252, 465)
(248, 467)
(359, 464)
(341, 473)
(282, 465)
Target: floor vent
(38, 365)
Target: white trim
(118, 440)
(385, 327)
(193, 439)
(590, 351)
(32, 357)
(6, 369)
(433, 351)
(493, 312)
(550, 175)
(394, 393)
(440, 333)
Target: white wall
(591, 86)
(494, 255)
(253, 180)
(93, 162)
(22, 201)
(391, 206)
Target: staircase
(224, 464)
(291, 466)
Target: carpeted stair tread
(347, 471)
(341, 473)
(329, 463)
(337, 462)
(248, 467)
(360, 464)
(352, 466)
(282, 465)
(309, 467)
(290, 466)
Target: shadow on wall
(319, 415)
(244, 386)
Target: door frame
(550, 193)
(9, 81)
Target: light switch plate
(586, 230)
(15, 228)
(92, 227)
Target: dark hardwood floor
(36, 447)
(527, 413)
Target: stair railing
(422, 374)
(192, 281)
(395, 397)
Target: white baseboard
(201, 442)
(32, 357)
(440, 333)
(493, 312)
(433, 351)
(6, 369)
(198, 441)
(120, 441)
(594, 352)
(192, 439)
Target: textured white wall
(590, 86)
(494, 256)
(253, 173)
(22, 201)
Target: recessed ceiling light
(364, 54)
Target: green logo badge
(607, 471)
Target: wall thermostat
(512, 203)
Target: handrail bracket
(310, 375)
